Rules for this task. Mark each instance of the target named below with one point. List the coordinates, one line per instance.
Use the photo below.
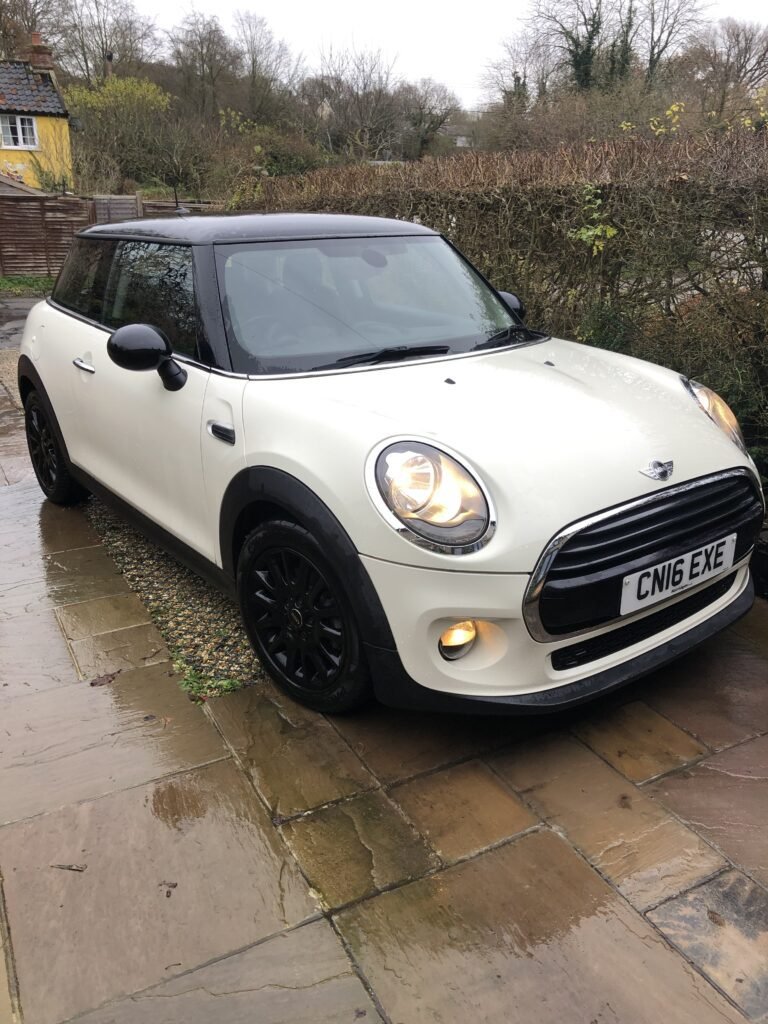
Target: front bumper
(508, 671)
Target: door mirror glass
(514, 303)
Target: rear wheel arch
(29, 381)
(261, 493)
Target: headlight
(718, 411)
(436, 501)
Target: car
(411, 492)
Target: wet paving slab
(78, 742)
(725, 799)
(34, 655)
(67, 577)
(719, 693)
(353, 849)
(296, 758)
(526, 932)
(722, 927)
(463, 810)
(118, 650)
(31, 527)
(104, 615)
(629, 838)
(111, 896)
(637, 741)
(398, 745)
(300, 977)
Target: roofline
(20, 186)
(32, 112)
(122, 236)
(223, 229)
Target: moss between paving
(201, 627)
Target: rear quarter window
(80, 285)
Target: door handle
(223, 431)
(82, 365)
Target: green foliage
(25, 285)
(609, 325)
(117, 103)
(201, 686)
(264, 151)
(122, 131)
(595, 233)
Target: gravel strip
(201, 627)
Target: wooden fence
(36, 231)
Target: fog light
(458, 640)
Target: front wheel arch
(260, 493)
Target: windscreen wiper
(497, 340)
(386, 355)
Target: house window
(18, 132)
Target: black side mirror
(141, 347)
(514, 303)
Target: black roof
(254, 227)
(25, 91)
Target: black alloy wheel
(42, 448)
(299, 619)
(48, 460)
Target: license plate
(642, 589)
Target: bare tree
(425, 108)
(664, 26)
(19, 18)
(271, 71)
(528, 66)
(96, 36)
(575, 30)
(205, 57)
(728, 61)
(351, 105)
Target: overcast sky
(426, 39)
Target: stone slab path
(248, 860)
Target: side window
(80, 285)
(150, 283)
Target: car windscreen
(298, 306)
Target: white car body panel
(164, 480)
(551, 443)
(507, 660)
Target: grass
(25, 286)
(201, 686)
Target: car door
(136, 438)
(69, 325)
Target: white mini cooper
(411, 492)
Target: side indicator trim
(222, 431)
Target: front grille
(634, 632)
(582, 587)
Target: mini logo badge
(659, 470)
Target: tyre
(48, 460)
(299, 619)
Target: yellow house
(34, 123)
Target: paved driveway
(246, 860)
